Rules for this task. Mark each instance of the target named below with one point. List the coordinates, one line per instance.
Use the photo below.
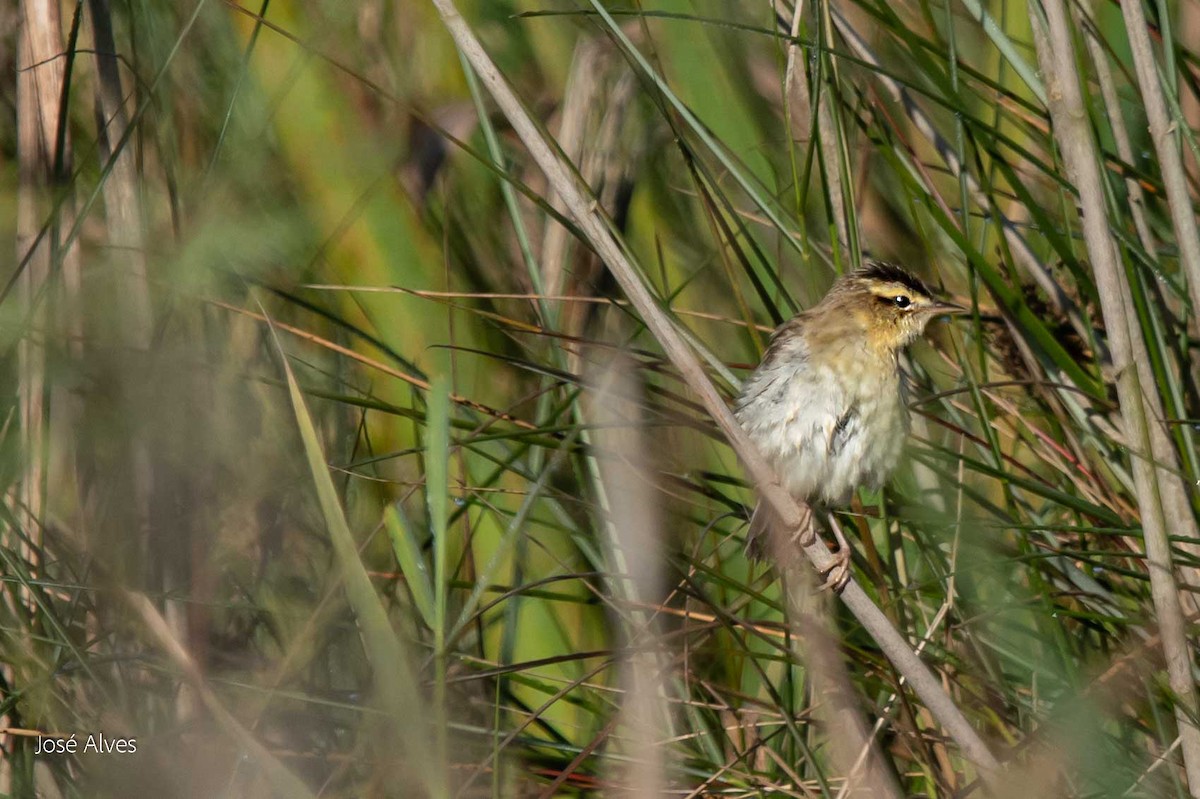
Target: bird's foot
(838, 572)
(806, 534)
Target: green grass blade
(437, 463)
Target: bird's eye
(902, 301)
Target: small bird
(826, 405)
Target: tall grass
(319, 480)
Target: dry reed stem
(798, 109)
(585, 213)
(633, 515)
(39, 92)
(582, 95)
(797, 103)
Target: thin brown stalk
(374, 364)
(122, 207)
(838, 187)
(797, 103)
(580, 99)
(1056, 54)
(600, 236)
(798, 108)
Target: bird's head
(891, 305)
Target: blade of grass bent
(408, 556)
(393, 678)
(1007, 48)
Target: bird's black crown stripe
(878, 270)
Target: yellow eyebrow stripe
(890, 290)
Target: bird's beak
(941, 308)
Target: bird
(826, 405)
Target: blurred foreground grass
(319, 472)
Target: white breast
(827, 433)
